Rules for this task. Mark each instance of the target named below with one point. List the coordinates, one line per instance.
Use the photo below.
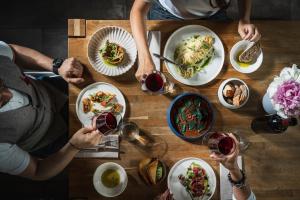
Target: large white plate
(117, 35)
(86, 118)
(178, 191)
(210, 71)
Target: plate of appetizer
(192, 178)
(97, 98)
(198, 51)
(246, 57)
(112, 51)
(190, 116)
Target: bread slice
(152, 167)
(143, 166)
(250, 54)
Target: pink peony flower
(288, 97)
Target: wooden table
(272, 162)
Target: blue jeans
(158, 12)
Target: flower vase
(267, 104)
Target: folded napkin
(225, 185)
(155, 38)
(108, 148)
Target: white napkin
(107, 152)
(225, 185)
(154, 47)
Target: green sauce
(110, 178)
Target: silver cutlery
(169, 61)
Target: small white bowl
(221, 97)
(241, 46)
(105, 191)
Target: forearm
(55, 163)
(31, 59)
(245, 9)
(239, 193)
(137, 21)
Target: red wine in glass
(106, 122)
(221, 143)
(154, 82)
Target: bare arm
(71, 70)
(239, 193)
(247, 30)
(245, 9)
(31, 59)
(230, 162)
(42, 169)
(137, 20)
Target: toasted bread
(143, 166)
(251, 53)
(152, 168)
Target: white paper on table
(225, 185)
(106, 153)
(154, 47)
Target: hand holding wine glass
(229, 161)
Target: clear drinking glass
(156, 83)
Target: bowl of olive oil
(110, 179)
(244, 67)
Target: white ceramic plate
(215, 64)
(105, 191)
(86, 118)
(117, 35)
(178, 191)
(241, 46)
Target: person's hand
(248, 31)
(146, 66)
(86, 137)
(71, 70)
(229, 161)
(165, 196)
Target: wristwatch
(239, 184)
(57, 62)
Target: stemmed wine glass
(221, 142)
(156, 83)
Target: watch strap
(56, 64)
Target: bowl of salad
(191, 179)
(190, 116)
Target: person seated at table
(182, 10)
(30, 115)
(241, 189)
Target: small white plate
(221, 97)
(241, 46)
(179, 192)
(105, 191)
(86, 118)
(119, 36)
(215, 64)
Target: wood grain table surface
(272, 162)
